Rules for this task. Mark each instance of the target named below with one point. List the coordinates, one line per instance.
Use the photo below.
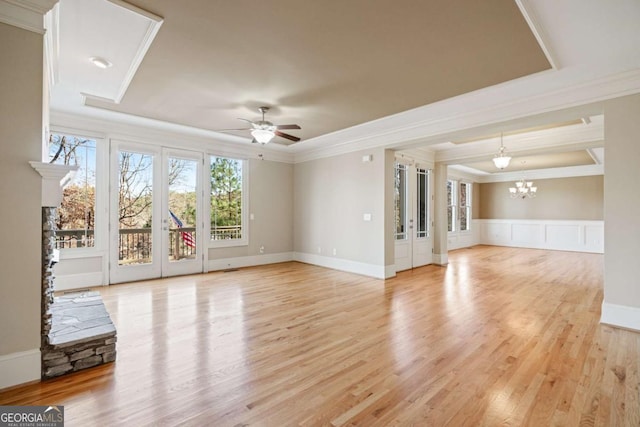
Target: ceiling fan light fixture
(263, 136)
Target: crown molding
(538, 31)
(153, 26)
(567, 172)
(52, 44)
(149, 131)
(485, 107)
(569, 138)
(26, 14)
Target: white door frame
(174, 268)
(414, 251)
(126, 273)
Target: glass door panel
(182, 235)
(135, 208)
(134, 213)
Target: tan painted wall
(271, 203)
(330, 197)
(577, 198)
(20, 213)
(622, 202)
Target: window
(452, 198)
(423, 203)
(465, 206)
(458, 206)
(228, 201)
(400, 201)
(77, 214)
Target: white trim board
(28, 15)
(365, 269)
(19, 368)
(66, 282)
(249, 261)
(622, 316)
(565, 235)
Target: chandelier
(502, 159)
(523, 189)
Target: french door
(156, 213)
(413, 216)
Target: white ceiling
(402, 86)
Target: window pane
(463, 194)
(464, 225)
(423, 203)
(226, 199)
(452, 203)
(182, 209)
(135, 184)
(400, 201)
(76, 215)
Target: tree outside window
(451, 205)
(465, 206)
(76, 215)
(226, 199)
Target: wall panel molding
(561, 235)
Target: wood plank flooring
(500, 337)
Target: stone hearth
(76, 330)
(81, 336)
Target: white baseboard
(622, 316)
(249, 261)
(389, 271)
(371, 270)
(18, 368)
(67, 282)
(441, 259)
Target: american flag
(187, 237)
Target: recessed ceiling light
(100, 62)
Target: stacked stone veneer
(77, 332)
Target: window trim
(100, 231)
(405, 235)
(457, 207)
(244, 241)
(468, 206)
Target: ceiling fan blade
(287, 136)
(288, 127)
(231, 130)
(247, 120)
(253, 141)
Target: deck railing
(134, 244)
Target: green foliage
(226, 192)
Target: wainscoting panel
(578, 236)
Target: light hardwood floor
(501, 336)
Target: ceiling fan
(263, 131)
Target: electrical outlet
(319, 250)
(261, 249)
(335, 252)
